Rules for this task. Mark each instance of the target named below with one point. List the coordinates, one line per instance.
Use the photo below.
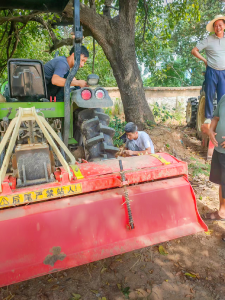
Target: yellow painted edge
(40, 195)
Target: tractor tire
(200, 115)
(96, 135)
(191, 112)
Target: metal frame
(29, 114)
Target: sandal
(213, 216)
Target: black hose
(77, 47)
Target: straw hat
(210, 27)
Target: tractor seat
(26, 80)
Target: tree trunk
(123, 62)
(116, 37)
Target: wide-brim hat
(210, 27)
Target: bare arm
(130, 152)
(59, 81)
(196, 53)
(212, 129)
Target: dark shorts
(217, 172)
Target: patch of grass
(108, 111)
(162, 113)
(196, 167)
(117, 109)
(118, 125)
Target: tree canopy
(163, 39)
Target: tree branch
(145, 21)
(92, 4)
(19, 19)
(127, 11)
(59, 43)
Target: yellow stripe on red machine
(40, 195)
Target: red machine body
(53, 235)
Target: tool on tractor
(56, 215)
(126, 196)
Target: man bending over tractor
(217, 173)
(138, 142)
(57, 70)
(214, 46)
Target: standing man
(217, 173)
(138, 142)
(57, 70)
(214, 46)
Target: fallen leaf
(141, 292)
(162, 250)
(55, 287)
(150, 271)
(76, 296)
(119, 259)
(104, 298)
(107, 283)
(9, 297)
(119, 286)
(103, 270)
(190, 275)
(166, 280)
(94, 291)
(209, 232)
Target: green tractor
(81, 123)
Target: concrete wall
(172, 97)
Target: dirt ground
(194, 267)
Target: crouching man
(138, 142)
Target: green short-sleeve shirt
(220, 128)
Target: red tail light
(86, 94)
(99, 94)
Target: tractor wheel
(96, 135)
(191, 112)
(200, 115)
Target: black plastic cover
(42, 5)
(26, 80)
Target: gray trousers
(132, 146)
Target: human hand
(212, 135)
(205, 62)
(128, 152)
(82, 83)
(223, 143)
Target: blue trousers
(214, 82)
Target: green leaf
(76, 296)
(103, 270)
(190, 275)
(162, 250)
(126, 291)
